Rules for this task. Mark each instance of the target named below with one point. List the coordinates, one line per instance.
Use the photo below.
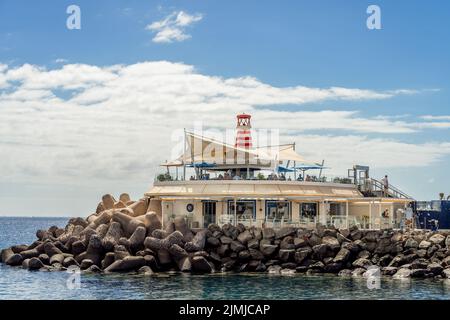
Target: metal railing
(376, 188)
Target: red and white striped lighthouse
(243, 132)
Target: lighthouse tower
(243, 132)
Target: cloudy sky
(93, 111)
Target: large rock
(181, 226)
(177, 252)
(108, 260)
(284, 232)
(435, 268)
(137, 239)
(50, 249)
(108, 201)
(128, 263)
(14, 260)
(152, 222)
(35, 264)
(200, 264)
(57, 258)
(411, 243)
(139, 208)
(112, 236)
(197, 243)
(286, 255)
(361, 263)
(301, 254)
(402, 273)
(437, 239)
(332, 242)
(268, 233)
(175, 237)
(28, 254)
(152, 243)
(128, 223)
(342, 255)
(424, 244)
(236, 246)
(268, 249)
(245, 237)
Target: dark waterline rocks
(123, 237)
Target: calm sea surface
(16, 283)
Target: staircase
(375, 188)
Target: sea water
(17, 283)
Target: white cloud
(430, 117)
(61, 60)
(173, 27)
(87, 125)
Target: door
(209, 213)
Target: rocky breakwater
(123, 236)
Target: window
(245, 209)
(278, 210)
(336, 209)
(308, 210)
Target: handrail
(391, 190)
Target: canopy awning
(200, 149)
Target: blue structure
(432, 215)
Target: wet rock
(389, 271)
(78, 247)
(358, 272)
(274, 269)
(128, 263)
(418, 273)
(57, 258)
(446, 273)
(345, 273)
(28, 254)
(435, 268)
(14, 260)
(108, 260)
(301, 254)
(69, 261)
(86, 263)
(35, 264)
(93, 269)
(419, 264)
(402, 273)
(256, 254)
(44, 258)
(200, 264)
(322, 251)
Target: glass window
(336, 209)
(245, 209)
(278, 210)
(308, 210)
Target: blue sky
(315, 44)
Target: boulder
(223, 250)
(418, 273)
(128, 223)
(331, 242)
(275, 269)
(225, 240)
(268, 249)
(342, 256)
(50, 249)
(78, 247)
(446, 273)
(286, 255)
(137, 239)
(164, 257)
(435, 268)
(139, 208)
(198, 242)
(112, 236)
(124, 197)
(119, 205)
(102, 230)
(93, 269)
(27, 254)
(388, 271)
(128, 263)
(322, 251)
(200, 264)
(85, 264)
(402, 273)
(181, 226)
(152, 243)
(146, 271)
(184, 264)
(301, 254)
(108, 201)
(236, 246)
(44, 258)
(361, 263)
(284, 232)
(314, 240)
(345, 273)
(14, 260)
(152, 222)
(175, 237)
(35, 264)
(424, 244)
(411, 243)
(214, 242)
(57, 258)
(268, 233)
(245, 237)
(177, 252)
(102, 218)
(437, 239)
(69, 261)
(108, 260)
